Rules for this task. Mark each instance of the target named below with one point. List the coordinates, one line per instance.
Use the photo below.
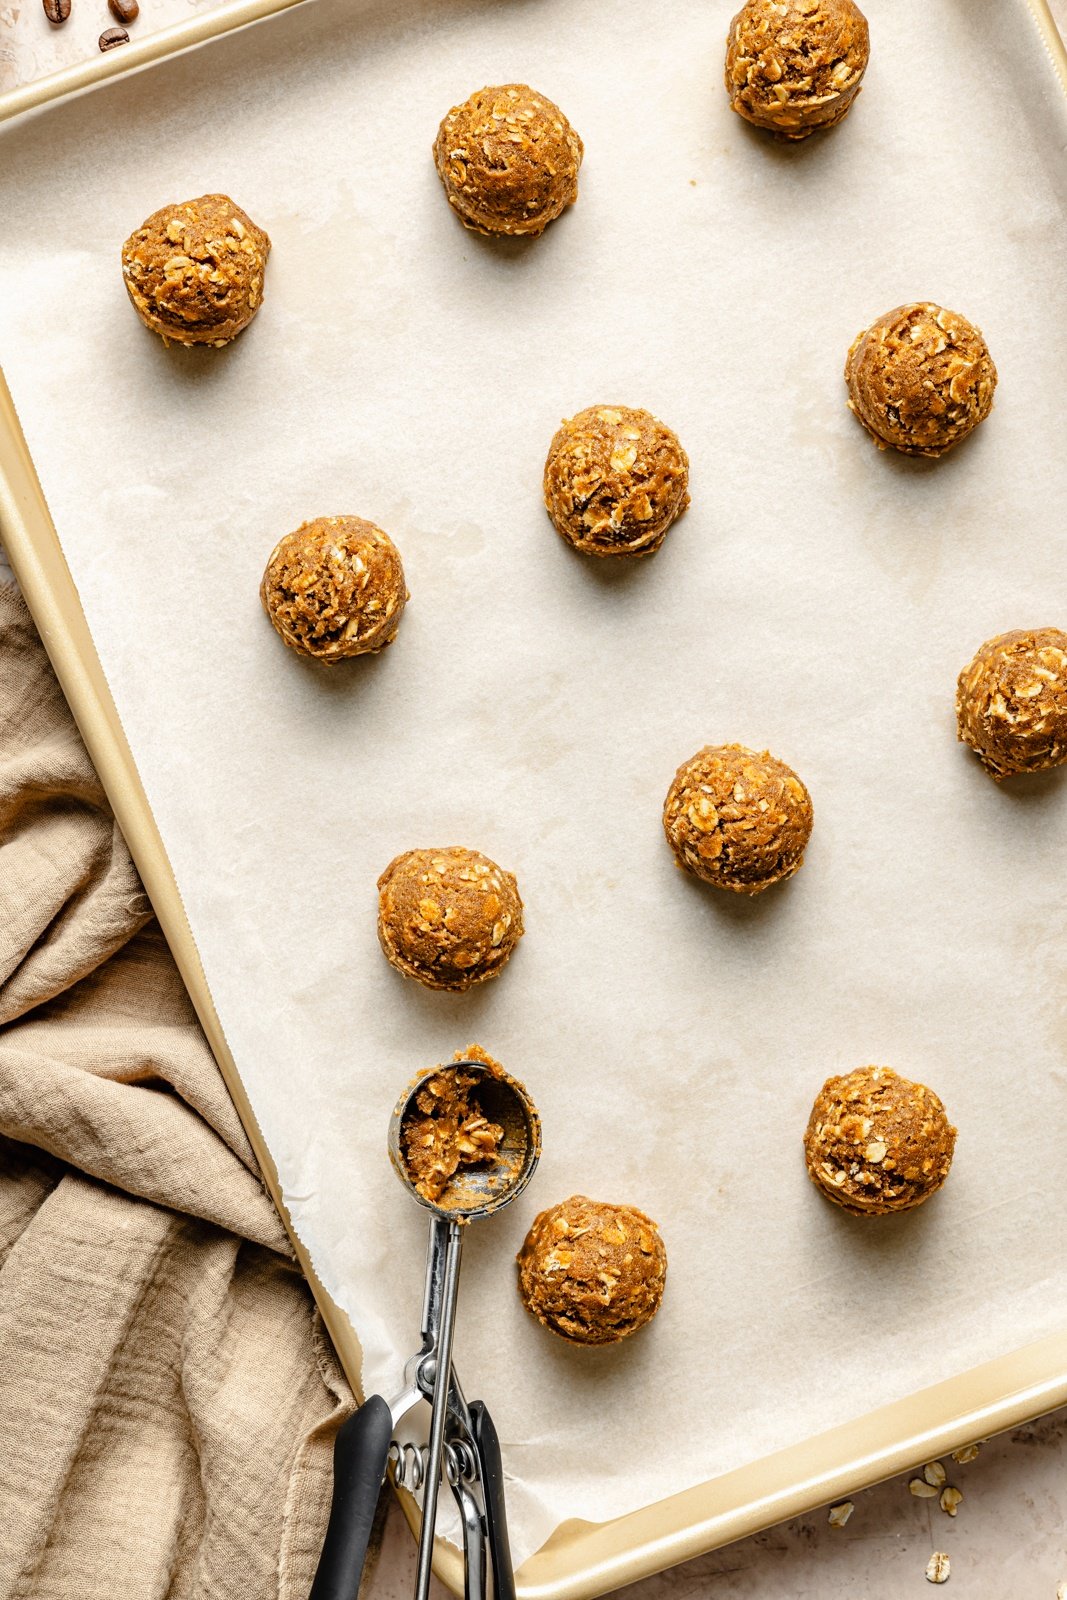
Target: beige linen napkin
(168, 1399)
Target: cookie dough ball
(449, 918)
(615, 480)
(592, 1273)
(508, 159)
(1011, 702)
(920, 379)
(195, 271)
(335, 588)
(794, 66)
(737, 818)
(876, 1142)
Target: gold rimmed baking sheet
(144, 536)
(144, 50)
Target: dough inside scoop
(446, 1129)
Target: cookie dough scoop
(464, 1139)
(449, 917)
(877, 1142)
(508, 159)
(920, 379)
(795, 66)
(592, 1273)
(615, 480)
(1011, 702)
(738, 818)
(194, 271)
(334, 588)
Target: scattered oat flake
(968, 1453)
(1061, 1590)
(950, 1500)
(938, 1568)
(840, 1513)
(921, 1489)
(934, 1473)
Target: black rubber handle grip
(496, 1521)
(360, 1455)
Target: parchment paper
(819, 599)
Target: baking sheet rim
(580, 1560)
(142, 51)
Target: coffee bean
(123, 10)
(113, 36)
(57, 11)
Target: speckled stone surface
(1009, 1538)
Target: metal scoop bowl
(477, 1189)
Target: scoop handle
(491, 1468)
(360, 1456)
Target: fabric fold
(169, 1398)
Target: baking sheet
(818, 598)
(31, 47)
(40, 64)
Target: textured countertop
(1009, 1538)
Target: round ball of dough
(508, 159)
(920, 379)
(794, 66)
(335, 588)
(876, 1142)
(615, 480)
(449, 918)
(1011, 702)
(590, 1272)
(737, 818)
(194, 271)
